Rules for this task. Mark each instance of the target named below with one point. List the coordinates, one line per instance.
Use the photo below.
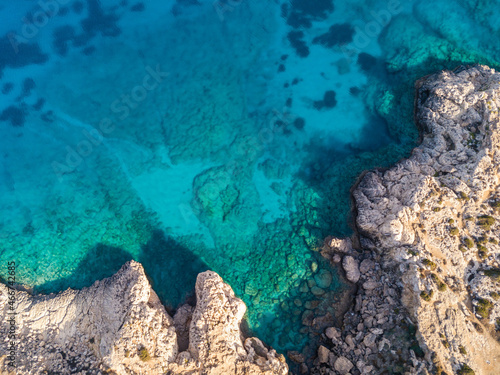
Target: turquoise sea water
(224, 135)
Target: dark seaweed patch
(14, 115)
(303, 12)
(39, 104)
(329, 101)
(17, 55)
(48, 116)
(77, 7)
(99, 22)
(62, 36)
(299, 123)
(139, 7)
(354, 91)
(28, 85)
(7, 88)
(87, 51)
(63, 11)
(337, 35)
(366, 61)
(295, 38)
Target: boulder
(351, 268)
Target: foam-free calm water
(210, 135)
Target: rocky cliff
(427, 256)
(119, 326)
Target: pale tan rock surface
(106, 327)
(421, 213)
(428, 234)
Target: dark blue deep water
(201, 134)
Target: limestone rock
(351, 268)
(323, 354)
(343, 365)
(119, 325)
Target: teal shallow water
(221, 136)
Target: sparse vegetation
(495, 205)
(482, 251)
(446, 344)
(462, 350)
(462, 248)
(494, 295)
(412, 253)
(494, 273)
(144, 355)
(493, 241)
(426, 296)
(469, 243)
(454, 231)
(481, 240)
(485, 221)
(463, 196)
(440, 284)
(451, 221)
(429, 263)
(484, 307)
(465, 370)
(436, 209)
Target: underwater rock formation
(428, 231)
(119, 325)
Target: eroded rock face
(429, 231)
(425, 215)
(118, 324)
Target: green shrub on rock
(482, 251)
(484, 307)
(494, 273)
(426, 296)
(454, 231)
(429, 263)
(463, 196)
(144, 355)
(465, 370)
(469, 243)
(485, 221)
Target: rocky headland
(424, 261)
(119, 326)
(426, 253)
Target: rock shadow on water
(100, 262)
(170, 267)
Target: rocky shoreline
(424, 264)
(427, 262)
